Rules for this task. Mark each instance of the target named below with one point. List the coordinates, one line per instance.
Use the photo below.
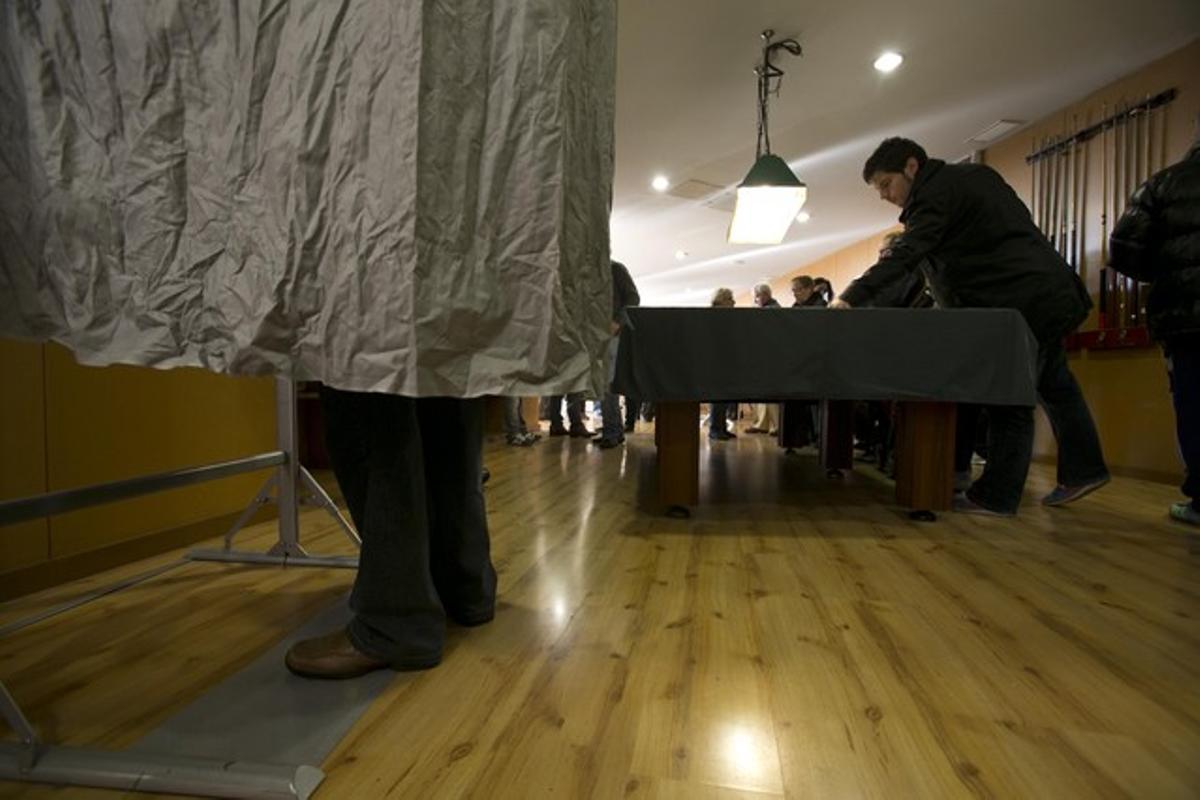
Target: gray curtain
(401, 196)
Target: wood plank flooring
(798, 637)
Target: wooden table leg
(837, 435)
(925, 456)
(677, 434)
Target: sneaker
(965, 505)
(519, 440)
(1069, 494)
(531, 437)
(1185, 512)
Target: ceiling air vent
(996, 130)
(694, 190)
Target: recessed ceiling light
(803, 216)
(680, 255)
(660, 183)
(888, 61)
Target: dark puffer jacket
(1157, 240)
(987, 253)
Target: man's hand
(840, 303)
(614, 327)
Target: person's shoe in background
(1069, 494)
(1185, 512)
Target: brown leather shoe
(334, 656)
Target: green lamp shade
(768, 200)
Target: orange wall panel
(117, 422)
(22, 450)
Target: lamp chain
(768, 72)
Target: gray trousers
(410, 471)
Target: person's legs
(1183, 365)
(964, 444)
(632, 406)
(1010, 447)
(1081, 468)
(964, 436)
(375, 446)
(460, 550)
(612, 424)
(1080, 460)
(575, 408)
(718, 417)
(554, 415)
(348, 444)
(514, 425)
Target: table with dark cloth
(928, 360)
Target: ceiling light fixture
(771, 195)
(680, 255)
(803, 216)
(888, 61)
(660, 183)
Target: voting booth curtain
(404, 197)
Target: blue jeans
(1010, 437)
(1183, 365)
(612, 425)
(514, 423)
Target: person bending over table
(986, 252)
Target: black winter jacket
(625, 292)
(814, 301)
(1157, 239)
(983, 249)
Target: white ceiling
(686, 108)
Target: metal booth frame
(290, 485)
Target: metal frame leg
(286, 483)
(30, 746)
(206, 777)
(317, 496)
(31, 760)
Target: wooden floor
(798, 637)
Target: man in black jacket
(985, 252)
(624, 294)
(1157, 239)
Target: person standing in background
(1157, 240)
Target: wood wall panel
(22, 450)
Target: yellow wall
(22, 450)
(1126, 390)
(63, 426)
(840, 268)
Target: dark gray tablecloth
(985, 356)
